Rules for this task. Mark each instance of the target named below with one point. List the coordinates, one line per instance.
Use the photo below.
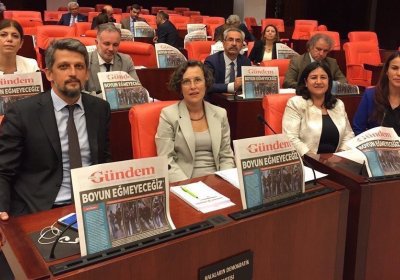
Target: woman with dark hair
(380, 105)
(194, 134)
(264, 49)
(315, 121)
(11, 40)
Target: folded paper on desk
(201, 197)
(354, 155)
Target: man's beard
(70, 93)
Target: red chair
(179, 21)
(29, 26)
(1, 118)
(156, 9)
(62, 8)
(357, 54)
(86, 10)
(363, 36)
(117, 11)
(199, 50)
(212, 23)
(333, 35)
(144, 12)
(87, 41)
(81, 27)
(250, 21)
(53, 15)
(250, 46)
(322, 27)
(151, 20)
(180, 10)
(91, 33)
(274, 107)
(303, 28)
(196, 19)
(191, 13)
(144, 119)
(277, 22)
(282, 64)
(142, 54)
(33, 15)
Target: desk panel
(304, 240)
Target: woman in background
(193, 134)
(316, 122)
(11, 40)
(380, 105)
(264, 49)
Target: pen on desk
(186, 190)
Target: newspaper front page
(121, 202)
(259, 81)
(168, 56)
(142, 29)
(284, 52)
(121, 90)
(269, 168)
(339, 88)
(381, 148)
(198, 35)
(14, 87)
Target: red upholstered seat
(363, 36)
(277, 22)
(199, 50)
(144, 120)
(282, 64)
(274, 107)
(303, 28)
(142, 54)
(81, 28)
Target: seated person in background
(73, 16)
(104, 17)
(380, 105)
(193, 134)
(316, 122)
(232, 21)
(166, 30)
(11, 40)
(106, 57)
(264, 49)
(227, 64)
(128, 23)
(318, 47)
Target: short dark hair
(302, 89)
(136, 7)
(12, 23)
(163, 15)
(65, 44)
(176, 77)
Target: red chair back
(363, 36)
(277, 22)
(283, 66)
(142, 54)
(144, 119)
(81, 28)
(274, 107)
(198, 50)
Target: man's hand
(238, 83)
(3, 216)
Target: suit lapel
(186, 127)
(214, 126)
(94, 66)
(92, 126)
(221, 62)
(117, 63)
(49, 123)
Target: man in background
(318, 48)
(166, 31)
(106, 57)
(105, 15)
(227, 64)
(73, 16)
(232, 21)
(128, 23)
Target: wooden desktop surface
(373, 229)
(304, 240)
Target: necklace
(195, 120)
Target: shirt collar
(59, 104)
(228, 60)
(101, 60)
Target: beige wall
(52, 5)
(250, 8)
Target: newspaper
(191, 27)
(14, 87)
(269, 168)
(198, 35)
(339, 88)
(217, 47)
(381, 148)
(142, 29)
(121, 90)
(259, 81)
(121, 202)
(284, 52)
(168, 56)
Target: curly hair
(176, 77)
(381, 97)
(330, 100)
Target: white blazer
(25, 65)
(302, 123)
(175, 139)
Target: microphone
(263, 121)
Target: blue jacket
(362, 118)
(66, 18)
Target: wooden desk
(242, 113)
(299, 241)
(376, 72)
(373, 228)
(155, 80)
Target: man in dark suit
(128, 23)
(44, 136)
(318, 47)
(232, 21)
(105, 16)
(73, 16)
(166, 31)
(227, 64)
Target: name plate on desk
(238, 267)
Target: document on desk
(201, 197)
(230, 175)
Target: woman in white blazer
(11, 40)
(316, 122)
(194, 134)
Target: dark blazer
(66, 18)
(167, 34)
(30, 151)
(217, 64)
(257, 53)
(219, 32)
